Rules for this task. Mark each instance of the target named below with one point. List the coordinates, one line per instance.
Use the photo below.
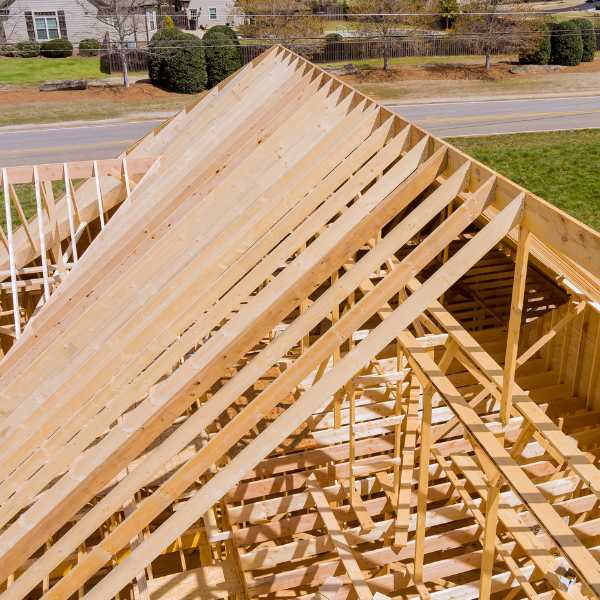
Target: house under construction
(290, 344)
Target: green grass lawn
(561, 167)
(377, 63)
(26, 194)
(29, 71)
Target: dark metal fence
(394, 47)
(353, 49)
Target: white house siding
(222, 10)
(79, 18)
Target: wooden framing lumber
(563, 537)
(285, 424)
(514, 325)
(339, 540)
(234, 375)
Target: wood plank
(340, 542)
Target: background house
(43, 20)
(203, 14)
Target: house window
(151, 19)
(212, 14)
(46, 26)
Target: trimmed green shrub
(7, 50)
(588, 38)
(89, 47)
(223, 56)
(176, 61)
(27, 49)
(566, 47)
(156, 55)
(539, 51)
(226, 30)
(57, 49)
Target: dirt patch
(139, 92)
(430, 72)
(586, 67)
(457, 71)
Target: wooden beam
(340, 542)
(403, 488)
(562, 535)
(514, 324)
(558, 441)
(311, 400)
(424, 456)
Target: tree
(566, 46)
(382, 18)
(278, 19)
(228, 31)
(494, 31)
(176, 61)
(588, 38)
(222, 52)
(449, 11)
(120, 16)
(537, 51)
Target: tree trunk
(385, 53)
(488, 61)
(125, 67)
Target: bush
(566, 47)
(169, 23)
(27, 49)
(223, 55)
(226, 30)
(588, 38)
(7, 50)
(539, 51)
(176, 61)
(89, 47)
(57, 49)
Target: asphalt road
(60, 143)
(473, 117)
(487, 117)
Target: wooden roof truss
(249, 384)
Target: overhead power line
(178, 44)
(350, 16)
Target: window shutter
(29, 24)
(62, 24)
(3, 17)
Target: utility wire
(176, 45)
